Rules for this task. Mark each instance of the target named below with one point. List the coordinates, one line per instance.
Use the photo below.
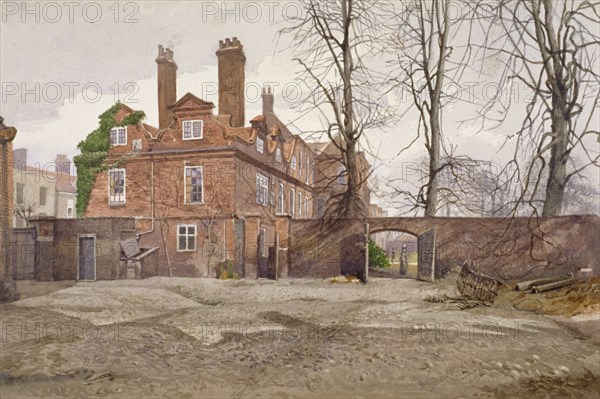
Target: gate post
(8, 292)
(366, 252)
(276, 256)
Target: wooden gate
(24, 253)
(426, 262)
(239, 246)
(87, 258)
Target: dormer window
(278, 155)
(260, 145)
(192, 130)
(118, 136)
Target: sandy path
(296, 338)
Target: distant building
(331, 176)
(375, 211)
(42, 190)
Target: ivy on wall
(94, 150)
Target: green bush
(377, 257)
(226, 270)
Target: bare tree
(25, 211)
(552, 49)
(331, 41)
(421, 43)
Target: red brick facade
(192, 185)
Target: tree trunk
(353, 206)
(434, 164)
(440, 16)
(557, 166)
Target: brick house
(202, 186)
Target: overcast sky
(50, 51)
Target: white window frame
(260, 145)
(70, 207)
(299, 204)
(278, 155)
(308, 165)
(192, 123)
(118, 141)
(187, 236)
(300, 166)
(292, 202)
(112, 198)
(293, 163)
(262, 182)
(185, 197)
(280, 199)
(306, 207)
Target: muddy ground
(205, 338)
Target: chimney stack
(63, 164)
(167, 86)
(232, 80)
(267, 100)
(20, 159)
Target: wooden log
(525, 285)
(553, 286)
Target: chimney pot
(20, 158)
(268, 100)
(167, 85)
(232, 80)
(63, 163)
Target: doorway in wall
(86, 257)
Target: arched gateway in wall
(503, 248)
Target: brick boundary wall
(57, 246)
(506, 249)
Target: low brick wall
(506, 249)
(57, 246)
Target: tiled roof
(65, 183)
